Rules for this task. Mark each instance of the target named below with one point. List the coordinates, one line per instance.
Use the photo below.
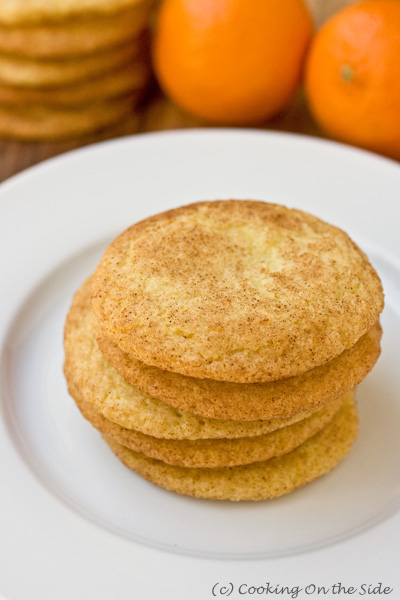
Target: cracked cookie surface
(239, 291)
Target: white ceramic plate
(76, 524)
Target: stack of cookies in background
(217, 348)
(71, 68)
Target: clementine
(231, 61)
(353, 76)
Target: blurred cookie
(239, 291)
(96, 382)
(33, 12)
(50, 123)
(75, 38)
(128, 78)
(257, 481)
(212, 453)
(26, 72)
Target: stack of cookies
(68, 68)
(217, 347)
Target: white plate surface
(75, 523)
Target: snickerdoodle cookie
(34, 12)
(239, 291)
(57, 123)
(25, 72)
(127, 79)
(222, 400)
(260, 480)
(70, 38)
(211, 452)
(100, 385)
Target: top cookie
(30, 12)
(235, 290)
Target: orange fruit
(231, 61)
(353, 76)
